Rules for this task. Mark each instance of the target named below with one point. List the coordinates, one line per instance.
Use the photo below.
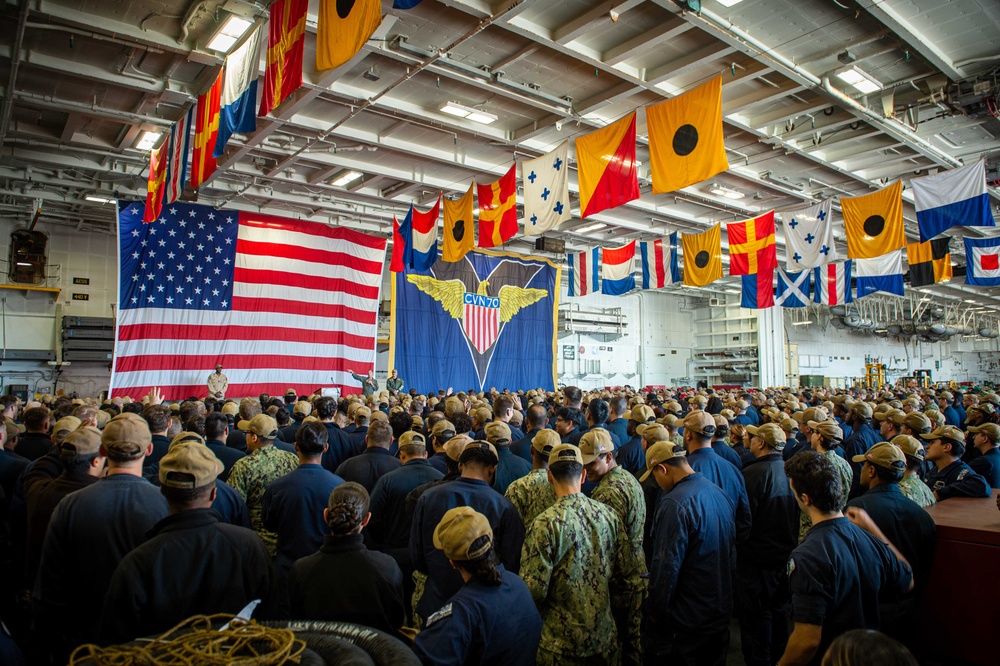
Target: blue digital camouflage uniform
(251, 476)
(578, 565)
(531, 495)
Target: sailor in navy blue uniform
(951, 477)
(985, 439)
(491, 619)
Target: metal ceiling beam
(885, 14)
(645, 41)
(764, 95)
(513, 58)
(8, 102)
(686, 63)
(579, 26)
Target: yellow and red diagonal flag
(751, 245)
(344, 27)
(498, 210)
(206, 130)
(157, 180)
(606, 167)
(286, 37)
(685, 138)
(459, 232)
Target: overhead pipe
(15, 63)
(34, 25)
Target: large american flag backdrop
(278, 302)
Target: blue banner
(487, 321)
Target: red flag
(285, 41)
(157, 177)
(398, 248)
(206, 129)
(606, 167)
(498, 210)
(751, 246)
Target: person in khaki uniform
(218, 383)
(579, 567)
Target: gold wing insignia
(449, 293)
(514, 299)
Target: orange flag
(459, 236)
(286, 37)
(606, 171)
(343, 28)
(498, 210)
(157, 179)
(206, 129)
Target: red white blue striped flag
(279, 303)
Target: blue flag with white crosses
(546, 191)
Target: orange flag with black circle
(702, 257)
(874, 222)
(685, 138)
(343, 28)
(157, 179)
(459, 236)
(206, 130)
(286, 37)
(606, 168)
(498, 210)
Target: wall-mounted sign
(569, 354)
(81, 297)
(77, 280)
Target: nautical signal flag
(420, 232)
(685, 138)
(833, 283)
(286, 38)
(659, 262)
(702, 257)
(343, 28)
(606, 169)
(809, 236)
(793, 289)
(157, 179)
(459, 231)
(498, 210)
(874, 222)
(238, 102)
(546, 191)
(929, 262)
(757, 290)
(583, 276)
(751, 245)
(180, 144)
(206, 128)
(618, 269)
(950, 199)
(982, 262)
(396, 264)
(884, 273)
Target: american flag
(279, 303)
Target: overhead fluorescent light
(346, 178)
(24, 263)
(729, 3)
(148, 140)
(589, 228)
(230, 32)
(469, 113)
(802, 323)
(860, 79)
(97, 199)
(723, 191)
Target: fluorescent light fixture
(24, 263)
(802, 323)
(97, 199)
(469, 113)
(589, 228)
(229, 33)
(729, 3)
(148, 140)
(860, 79)
(723, 191)
(346, 178)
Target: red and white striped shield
(482, 320)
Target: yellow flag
(702, 257)
(606, 167)
(685, 138)
(874, 222)
(459, 228)
(343, 28)
(930, 262)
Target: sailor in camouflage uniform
(251, 475)
(533, 493)
(620, 491)
(580, 569)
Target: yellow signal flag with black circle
(343, 27)
(459, 229)
(685, 138)
(874, 222)
(702, 257)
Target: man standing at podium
(218, 383)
